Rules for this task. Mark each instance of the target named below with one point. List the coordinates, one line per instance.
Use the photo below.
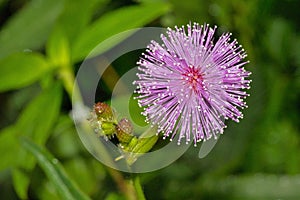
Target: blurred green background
(42, 44)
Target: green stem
(68, 80)
(138, 187)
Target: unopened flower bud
(124, 131)
(103, 111)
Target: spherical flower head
(189, 85)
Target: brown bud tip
(124, 131)
(103, 110)
(125, 125)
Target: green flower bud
(108, 128)
(102, 119)
(104, 122)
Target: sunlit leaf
(58, 48)
(21, 69)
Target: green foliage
(55, 172)
(21, 162)
(29, 28)
(21, 69)
(113, 23)
(44, 41)
(79, 12)
(58, 49)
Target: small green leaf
(145, 144)
(20, 70)
(58, 48)
(21, 182)
(54, 171)
(8, 147)
(138, 146)
(115, 22)
(29, 28)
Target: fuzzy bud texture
(103, 111)
(124, 131)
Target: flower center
(194, 78)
